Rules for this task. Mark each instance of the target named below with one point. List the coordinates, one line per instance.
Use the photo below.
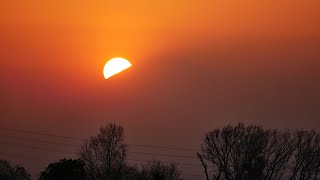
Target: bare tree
(104, 155)
(251, 152)
(206, 168)
(235, 152)
(7, 172)
(155, 170)
(131, 173)
(278, 152)
(306, 161)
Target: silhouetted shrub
(156, 170)
(64, 170)
(7, 172)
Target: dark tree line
(103, 157)
(251, 152)
(8, 172)
(155, 170)
(105, 154)
(64, 170)
(232, 153)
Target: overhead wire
(80, 139)
(6, 155)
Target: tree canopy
(8, 172)
(252, 152)
(65, 170)
(104, 155)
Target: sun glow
(115, 66)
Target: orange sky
(139, 28)
(196, 65)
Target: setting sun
(115, 66)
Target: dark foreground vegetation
(231, 153)
(239, 152)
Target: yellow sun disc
(114, 66)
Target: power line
(37, 148)
(32, 172)
(167, 155)
(185, 164)
(164, 147)
(52, 142)
(40, 133)
(79, 139)
(73, 153)
(38, 140)
(6, 155)
(26, 158)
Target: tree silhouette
(104, 155)
(8, 172)
(239, 152)
(131, 173)
(155, 170)
(64, 170)
(306, 160)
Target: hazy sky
(197, 65)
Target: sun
(114, 66)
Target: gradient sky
(197, 65)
